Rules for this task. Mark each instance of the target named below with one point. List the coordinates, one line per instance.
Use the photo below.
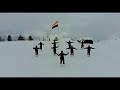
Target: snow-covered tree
(9, 38)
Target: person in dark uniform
(71, 50)
(62, 61)
(82, 44)
(54, 43)
(36, 50)
(69, 43)
(41, 45)
(89, 49)
(54, 49)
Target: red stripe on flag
(55, 23)
(55, 26)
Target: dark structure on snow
(30, 38)
(21, 37)
(9, 38)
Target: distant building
(21, 37)
(87, 40)
(9, 38)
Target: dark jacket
(40, 45)
(62, 55)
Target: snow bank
(17, 59)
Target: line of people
(70, 47)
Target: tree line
(22, 38)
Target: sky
(100, 26)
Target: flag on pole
(55, 25)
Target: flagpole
(58, 33)
(56, 25)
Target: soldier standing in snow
(71, 50)
(54, 43)
(36, 50)
(69, 44)
(89, 49)
(62, 57)
(54, 49)
(41, 45)
(82, 44)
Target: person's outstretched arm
(75, 48)
(57, 46)
(86, 48)
(92, 48)
(67, 48)
(38, 48)
(66, 54)
(57, 54)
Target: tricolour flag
(55, 25)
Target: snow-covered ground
(17, 59)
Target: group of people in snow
(70, 47)
(36, 48)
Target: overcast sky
(97, 25)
